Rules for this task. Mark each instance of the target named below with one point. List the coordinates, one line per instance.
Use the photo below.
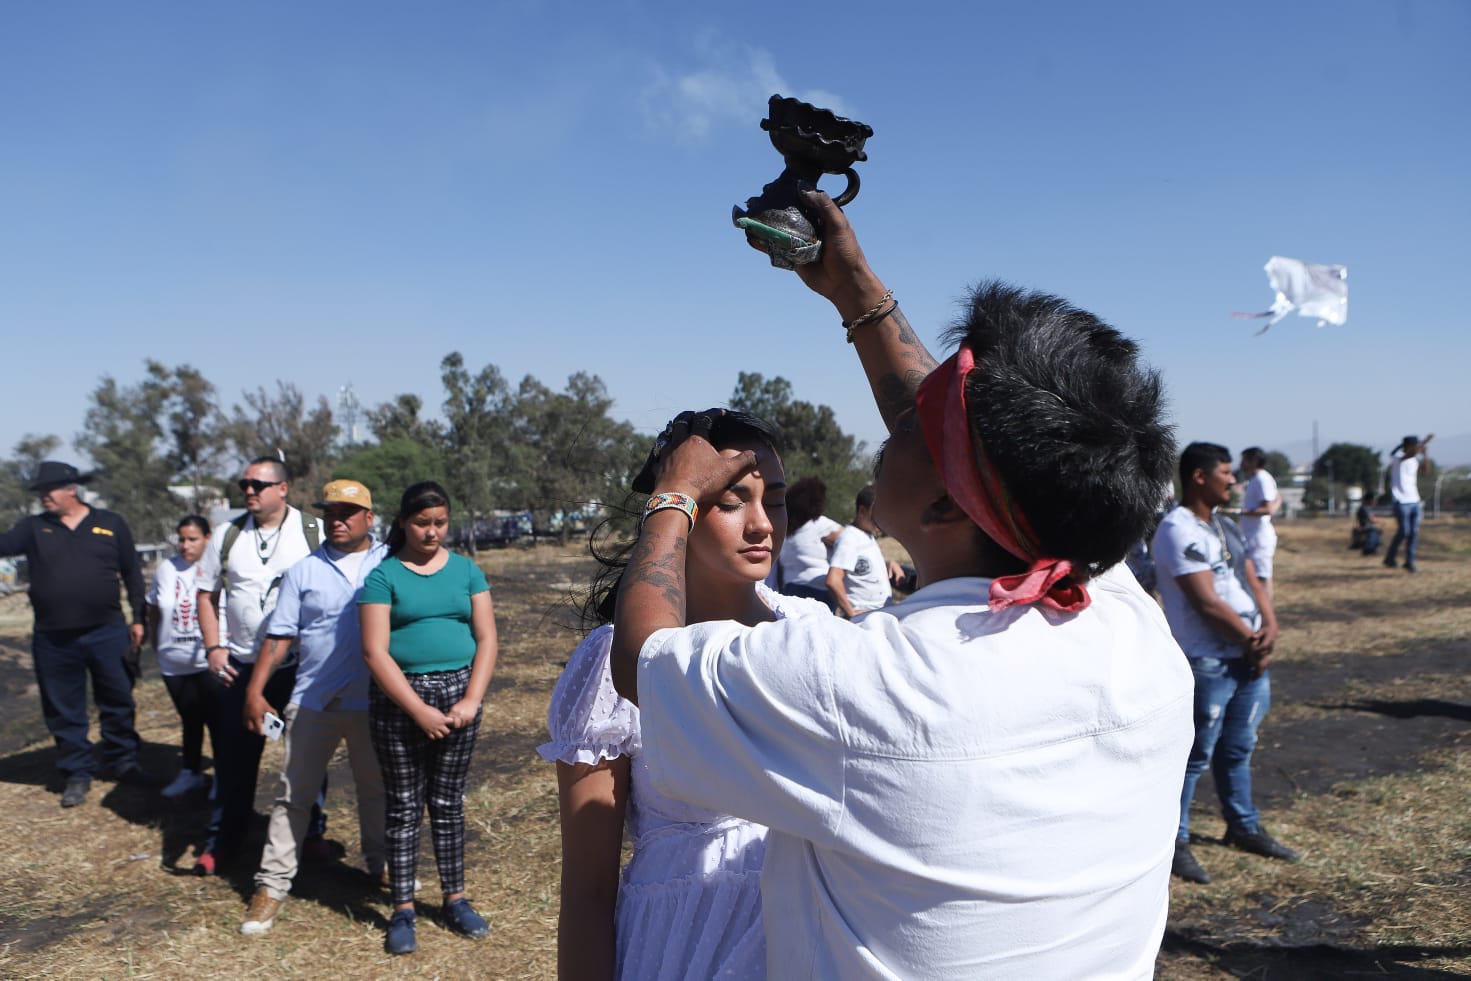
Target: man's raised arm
(893, 356)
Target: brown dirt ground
(1364, 764)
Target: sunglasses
(255, 486)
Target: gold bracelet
(885, 306)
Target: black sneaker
(1258, 842)
(1390, 563)
(1186, 867)
(76, 790)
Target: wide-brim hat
(346, 492)
(53, 473)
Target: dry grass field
(1365, 765)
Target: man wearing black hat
(76, 554)
(1404, 472)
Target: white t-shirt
(1260, 489)
(865, 570)
(1404, 472)
(952, 792)
(257, 561)
(1183, 545)
(175, 593)
(803, 556)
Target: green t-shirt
(428, 616)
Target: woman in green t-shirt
(429, 639)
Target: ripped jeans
(1229, 706)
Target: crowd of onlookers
(989, 778)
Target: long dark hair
(728, 428)
(416, 497)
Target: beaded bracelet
(672, 501)
(885, 306)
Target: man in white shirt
(1221, 613)
(979, 781)
(329, 704)
(246, 560)
(858, 573)
(1259, 501)
(1404, 475)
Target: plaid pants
(419, 770)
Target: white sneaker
(186, 782)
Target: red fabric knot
(973, 484)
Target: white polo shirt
(952, 792)
(257, 562)
(865, 571)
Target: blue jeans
(64, 660)
(1407, 530)
(1229, 706)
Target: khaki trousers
(311, 739)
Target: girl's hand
(436, 724)
(463, 713)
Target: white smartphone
(273, 726)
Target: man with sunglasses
(248, 567)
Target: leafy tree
(268, 424)
(1279, 466)
(815, 445)
(476, 411)
(388, 467)
(1349, 463)
(566, 451)
(124, 435)
(399, 419)
(16, 473)
(196, 426)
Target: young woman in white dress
(688, 904)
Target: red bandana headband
(973, 483)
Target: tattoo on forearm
(664, 571)
(895, 390)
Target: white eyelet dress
(689, 901)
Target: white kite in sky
(1310, 289)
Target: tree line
(526, 449)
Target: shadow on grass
(1313, 962)
(1410, 709)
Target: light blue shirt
(318, 606)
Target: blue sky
(332, 192)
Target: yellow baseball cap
(346, 492)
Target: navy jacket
(75, 572)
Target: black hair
(1200, 456)
(806, 500)
(196, 521)
(864, 499)
(728, 428)
(1255, 456)
(1071, 418)
(278, 469)
(416, 497)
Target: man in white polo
(318, 608)
(246, 561)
